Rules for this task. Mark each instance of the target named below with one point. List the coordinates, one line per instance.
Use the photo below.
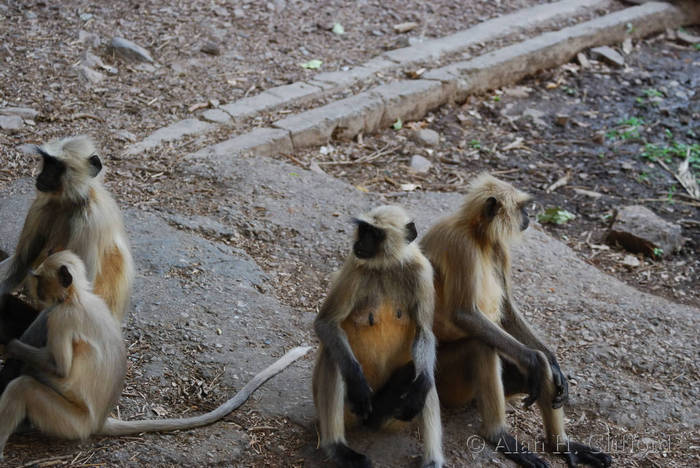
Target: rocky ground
(233, 261)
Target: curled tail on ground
(116, 427)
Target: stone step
(525, 22)
(380, 106)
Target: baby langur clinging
(377, 349)
(68, 387)
(72, 211)
(486, 351)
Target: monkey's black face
(49, 179)
(525, 222)
(369, 240)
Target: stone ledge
(509, 64)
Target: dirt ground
(261, 45)
(601, 128)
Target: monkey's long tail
(116, 427)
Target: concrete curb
(411, 99)
(328, 82)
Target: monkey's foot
(346, 457)
(432, 464)
(578, 454)
(512, 450)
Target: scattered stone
(420, 164)
(129, 50)
(561, 120)
(145, 67)
(88, 38)
(24, 112)
(626, 166)
(639, 230)
(631, 261)
(627, 46)
(536, 116)
(91, 60)
(126, 135)
(26, 148)
(405, 27)
(588, 193)
(238, 13)
(583, 60)
(11, 123)
(89, 75)
(609, 55)
(687, 38)
(211, 48)
(426, 137)
(517, 91)
(599, 137)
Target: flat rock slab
(511, 63)
(340, 119)
(609, 55)
(130, 50)
(172, 132)
(639, 230)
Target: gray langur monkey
(486, 350)
(377, 350)
(69, 386)
(72, 211)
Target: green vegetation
(629, 129)
(555, 215)
(658, 252)
(666, 152)
(475, 144)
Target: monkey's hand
(561, 385)
(536, 365)
(359, 395)
(412, 401)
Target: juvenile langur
(72, 211)
(486, 351)
(377, 349)
(68, 387)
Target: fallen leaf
(555, 215)
(314, 167)
(361, 188)
(559, 183)
(518, 143)
(312, 64)
(405, 27)
(338, 29)
(409, 187)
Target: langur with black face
(486, 350)
(377, 349)
(68, 387)
(72, 211)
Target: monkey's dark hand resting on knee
(412, 401)
(359, 394)
(536, 371)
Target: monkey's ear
(64, 276)
(491, 207)
(411, 232)
(95, 165)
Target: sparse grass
(629, 129)
(674, 149)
